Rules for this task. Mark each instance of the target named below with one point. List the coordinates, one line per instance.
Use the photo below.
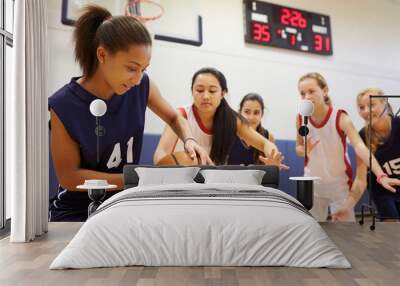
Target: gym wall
(365, 53)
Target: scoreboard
(286, 27)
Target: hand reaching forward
(275, 158)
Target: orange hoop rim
(141, 18)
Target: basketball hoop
(132, 9)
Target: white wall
(366, 47)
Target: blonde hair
(321, 81)
(375, 140)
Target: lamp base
(305, 190)
(97, 196)
(96, 191)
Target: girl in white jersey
(214, 124)
(327, 154)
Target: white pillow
(164, 176)
(249, 177)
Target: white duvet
(187, 230)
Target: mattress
(201, 225)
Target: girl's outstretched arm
(362, 152)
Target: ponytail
(224, 132)
(97, 28)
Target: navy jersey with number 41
(122, 142)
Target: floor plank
(374, 255)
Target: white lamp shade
(306, 107)
(98, 107)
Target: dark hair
(97, 28)
(224, 122)
(260, 129)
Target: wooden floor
(374, 255)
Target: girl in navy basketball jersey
(251, 107)
(214, 124)
(113, 53)
(385, 145)
(327, 154)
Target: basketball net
(133, 9)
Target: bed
(201, 223)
